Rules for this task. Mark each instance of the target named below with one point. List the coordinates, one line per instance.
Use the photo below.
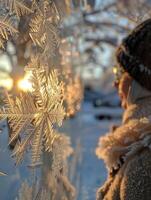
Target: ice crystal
(33, 115)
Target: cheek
(124, 104)
(123, 100)
(121, 96)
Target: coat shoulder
(136, 181)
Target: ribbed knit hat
(134, 54)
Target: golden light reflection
(73, 91)
(25, 84)
(115, 70)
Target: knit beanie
(134, 54)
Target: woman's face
(122, 97)
(119, 88)
(123, 89)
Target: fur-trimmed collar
(128, 139)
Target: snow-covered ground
(85, 170)
(85, 131)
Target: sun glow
(25, 84)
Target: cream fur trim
(124, 142)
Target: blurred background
(90, 33)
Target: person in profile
(126, 150)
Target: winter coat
(127, 155)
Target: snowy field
(85, 131)
(85, 170)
